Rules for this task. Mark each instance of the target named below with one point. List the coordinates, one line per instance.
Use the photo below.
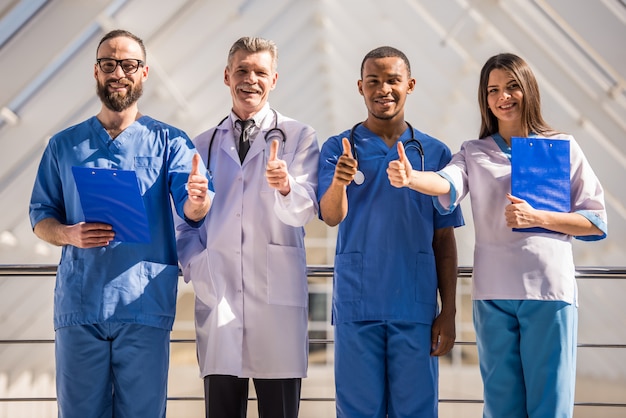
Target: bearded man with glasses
(115, 298)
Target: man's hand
(399, 171)
(81, 235)
(346, 165)
(334, 203)
(442, 334)
(89, 235)
(198, 203)
(276, 171)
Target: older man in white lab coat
(247, 263)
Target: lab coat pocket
(348, 273)
(198, 271)
(286, 276)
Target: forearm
(334, 204)
(567, 223)
(447, 281)
(444, 246)
(428, 182)
(443, 333)
(196, 211)
(81, 235)
(51, 231)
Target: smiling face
(251, 77)
(505, 99)
(384, 85)
(118, 90)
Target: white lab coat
(247, 261)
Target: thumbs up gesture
(198, 202)
(399, 171)
(520, 214)
(276, 170)
(346, 165)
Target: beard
(118, 102)
(384, 116)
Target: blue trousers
(527, 354)
(111, 370)
(384, 369)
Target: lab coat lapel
(228, 145)
(257, 147)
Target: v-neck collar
(504, 147)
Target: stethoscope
(359, 177)
(275, 131)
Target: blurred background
(47, 53)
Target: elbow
(331, 220)
(333, 210)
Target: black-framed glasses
(129, 66)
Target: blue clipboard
(113, 197)
(540, 174)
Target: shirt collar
(258, 117)
(504, 147)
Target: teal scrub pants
(527, 354)
(384, 369)
(111, 370)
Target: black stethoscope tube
(275, 129)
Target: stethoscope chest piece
(359, 177)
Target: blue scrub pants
(527, 353)
(111, 370)
(384, 369)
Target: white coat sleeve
(188, 244)
(300, 205)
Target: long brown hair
(532, 121)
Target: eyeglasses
(129, 66)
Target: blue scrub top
(122, 282)
(384, 263)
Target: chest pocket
(148, 162)
(148, 170)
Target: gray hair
(252, 45)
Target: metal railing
(612, 273)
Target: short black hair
(386, 52)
